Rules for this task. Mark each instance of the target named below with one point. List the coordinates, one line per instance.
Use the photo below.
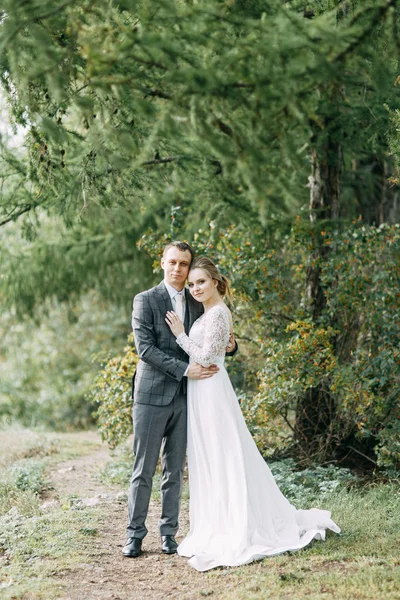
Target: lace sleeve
(216, 338)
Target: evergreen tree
(216, 108)
(160, 117)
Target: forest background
(264, 133)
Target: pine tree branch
(11, 161)
(380, 13)
(224, 127)
(36, 19)
(149, 63)
(14, 214)
(247, 86)
(50, 13)
(158, 161)
(97, 81)
(4, 176)
(159, 94)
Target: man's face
(176, 267)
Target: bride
(237, 512)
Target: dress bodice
(208, 338)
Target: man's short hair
(182, 246)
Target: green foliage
(351, 352)
(112, 390)
(118, 470)
(29, 476)
(211, 107)
(301, 487)
(21, 486)
(40, 546)
(44, 259)
(141, 120)
(357, 363)
(23, 501)
(47, 368)
(307, 486)
(88, 531)
(25, 458)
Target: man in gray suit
(159, 411)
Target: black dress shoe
(133, 547)
(169, 544)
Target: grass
(118, 471)
(18, 444)
(361, 563)
(36, 550)
(36, 544)
(38, 547)
(25, 457)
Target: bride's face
(201, 286)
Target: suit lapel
(164, 299)
(188, 321)
(193, 309)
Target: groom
(159, 391)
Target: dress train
(237, 512)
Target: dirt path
(105, 573)
(85, 531)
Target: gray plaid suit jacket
(162, 362)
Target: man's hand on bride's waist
(196, 371)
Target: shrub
(29, 476)
(348, 354)
(312, 484)
(21, 486)
(112, 393)
(356, 363)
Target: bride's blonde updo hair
(207, 265)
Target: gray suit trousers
(158, 428)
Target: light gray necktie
(179, 305)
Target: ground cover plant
(37, 542)
(70, 549)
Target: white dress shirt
(172, 293)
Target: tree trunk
(377, 199)
(316, 409)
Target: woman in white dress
(237, 512)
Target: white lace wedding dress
(237, 512)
